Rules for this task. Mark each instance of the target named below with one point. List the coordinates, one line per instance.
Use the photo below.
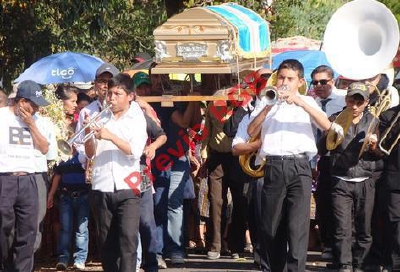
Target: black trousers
(380, 251)
(117, 218)
(148, 233)
(285, 213)
(352, 199)
(253, 195)
(324, 202)
(18, 211)
(393, 202)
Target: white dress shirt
(287, 130)
(336, 102)
(394, 96)
(111, 165)
(241, 135)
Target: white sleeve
(52, 153)
(139, 137)
(241, 134)
(394, 96)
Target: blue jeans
(148, 233)
(73, 210)
(168, 201)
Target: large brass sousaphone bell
(360, 41)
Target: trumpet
(269, 94)
(66, 146)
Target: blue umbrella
(62, 68)
(309, 58)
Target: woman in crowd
(69, 181)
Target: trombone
(390, 136)
(66, 146)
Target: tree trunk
(173, 7)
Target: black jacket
(232, 124)
(344, 159)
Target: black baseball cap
(358, 88)
(107, 68)
(31, 90)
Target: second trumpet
(66, 146)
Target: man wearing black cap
(353, 184)
(19, 138)
(103, 74)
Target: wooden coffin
(226, 38)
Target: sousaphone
(360, 41)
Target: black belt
(287, 157)
(14, 174)
(76, 193)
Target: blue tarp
(309, 58)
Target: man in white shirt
(20, 138)
(117, 149)
(287, 144)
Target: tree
(394, 6)
(306, 18)
(115, 30)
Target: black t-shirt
(176, 136)
(153, 131)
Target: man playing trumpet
(287, 144)
(117, 148)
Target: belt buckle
(75, 194)
(18, 174)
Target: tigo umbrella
(62, 68)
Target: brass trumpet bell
(344, 119)
(269, 93)
(65, 147)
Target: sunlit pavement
(199, 263)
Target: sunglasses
(322, 82)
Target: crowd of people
(159, 181)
